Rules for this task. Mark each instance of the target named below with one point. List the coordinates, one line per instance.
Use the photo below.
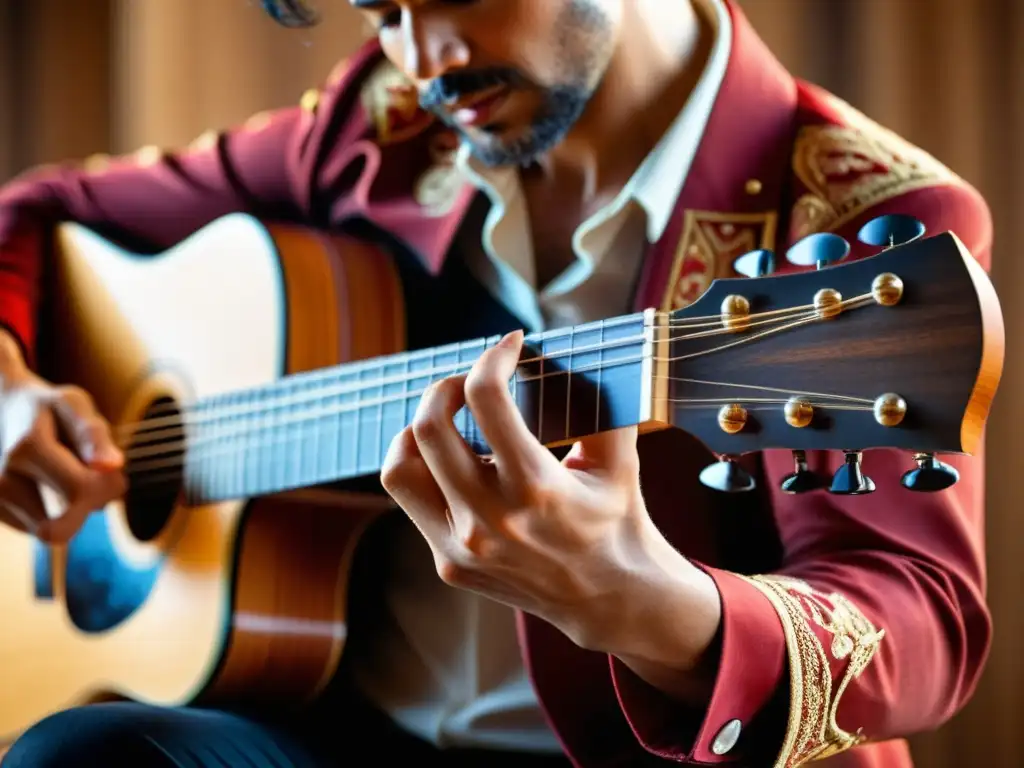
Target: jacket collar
(749, 137)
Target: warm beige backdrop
(81, 76)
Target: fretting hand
(54, 447)
(569, 541)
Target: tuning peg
(849, 479)
(802, 480)
(818, 250)
(727, 476)
(930, 476)
(759, 263)
(891, 230)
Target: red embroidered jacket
(870, 625)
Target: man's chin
(495, 152)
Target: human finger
(20, 504)
(452, 463)
(514, 446)
(408, 480)
(87, 430)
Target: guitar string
(208, 413)
(142, 448)
(701, 321)
(213, 414)
(244, 430)
(198, 450)
(155, 471)
(154, 428)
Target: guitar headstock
(902, 349)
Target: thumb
(611, 452)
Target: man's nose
(431, 47)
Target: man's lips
(478, 109)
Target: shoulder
(847, 168)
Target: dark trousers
(112, 735)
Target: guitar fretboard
(338, 423)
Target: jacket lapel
(730, 202)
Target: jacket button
(726, 738)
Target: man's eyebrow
(370, 5)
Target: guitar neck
(337, 423)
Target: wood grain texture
(294, 553)
(939, 348)
(246, 598)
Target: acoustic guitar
(243, 403)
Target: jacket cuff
(741, 723)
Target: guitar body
(242, 596)
(170, 604)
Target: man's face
(512, 76)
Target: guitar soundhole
(155, 470)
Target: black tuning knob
(760, 263)
(727, 476)
(802, 480)
(849, 479)
(818, 250)
(930, 476)
(891, 230)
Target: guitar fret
(463, 413)
(600, 366)
(296, 437)
(277, 446)
(357, 430)
(471, 430)
(514, 383)
(233, 461)
(260, 425)
(258, 441)
(232, 441)
(332, 451)
(568, 381)
(540, 386)
(377, 455)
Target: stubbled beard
(559, 111)
(582, 34)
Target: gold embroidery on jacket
(849, 168)
(709, 244)
(392, 104)
(812, 732)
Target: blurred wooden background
(85, 76)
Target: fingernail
(511, 339)
(108, 456)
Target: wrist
(12, 358)
(673, 610)
(669, 633)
